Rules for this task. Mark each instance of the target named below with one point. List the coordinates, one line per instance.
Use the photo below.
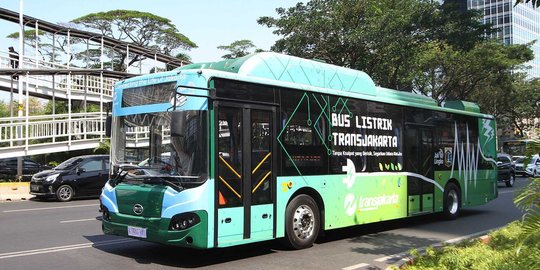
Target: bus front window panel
(144, 140)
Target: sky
(208, 23)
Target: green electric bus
(272, 146)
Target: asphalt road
(53, 235)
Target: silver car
(533, 168)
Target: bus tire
(302, 222)
(451, 201)
(65, 193)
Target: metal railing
(45, 129)
(75, 84)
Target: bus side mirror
(178, 122)
(108, 126)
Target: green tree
(104, 147)
(387, 39)
(182, 56)
(4, 109)
(528, 200)
(48, 50)
(238, 48)
(491, 67)
(141, 28)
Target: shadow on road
(375, 238)
(149, 253)
(367, 239)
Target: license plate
(137, 232)
(34, 188)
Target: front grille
(37, 188)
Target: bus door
(245, 172)
(419, 160)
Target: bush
(504, 251)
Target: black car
(506, 169)
(77, 176)
(8, 167)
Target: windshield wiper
(160, 180)
(123, 170)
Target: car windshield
(68, 164)
(142, 147)
(519, 159)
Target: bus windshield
(143, 148)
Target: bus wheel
(302, 222)
(452, 201)
(64, 193)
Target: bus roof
(319, 75)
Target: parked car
(533, 168)
(77, 176)
(8, 168)
(518, 163)
(505, 169)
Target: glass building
(517, 25)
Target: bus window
(230, 157)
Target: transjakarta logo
(368, 203)
(352, 203)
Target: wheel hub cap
(303, 222)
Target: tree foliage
(420, 46)
(387, 39)
(141, 28)
(238, 48)
(4, 109)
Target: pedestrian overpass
(40, 134)
(23, 133)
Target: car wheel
(64, 193)
(302, 222)
(510, 181)
(452, 201)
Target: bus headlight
(184, 221)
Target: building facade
(517, 25)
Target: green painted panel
(427, 203)
(349, 199)
(157, 230)
(414, 204)
(462, 105)
(149, 196)
(477, 190)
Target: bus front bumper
(157, 230)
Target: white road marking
(79, 220)
(356, 266)
(49, 208)
(395, 257)
(62, 248)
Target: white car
(533, 168)
(520, 167)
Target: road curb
(15, 191)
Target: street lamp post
(20, 86)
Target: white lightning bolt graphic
(489, 132)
